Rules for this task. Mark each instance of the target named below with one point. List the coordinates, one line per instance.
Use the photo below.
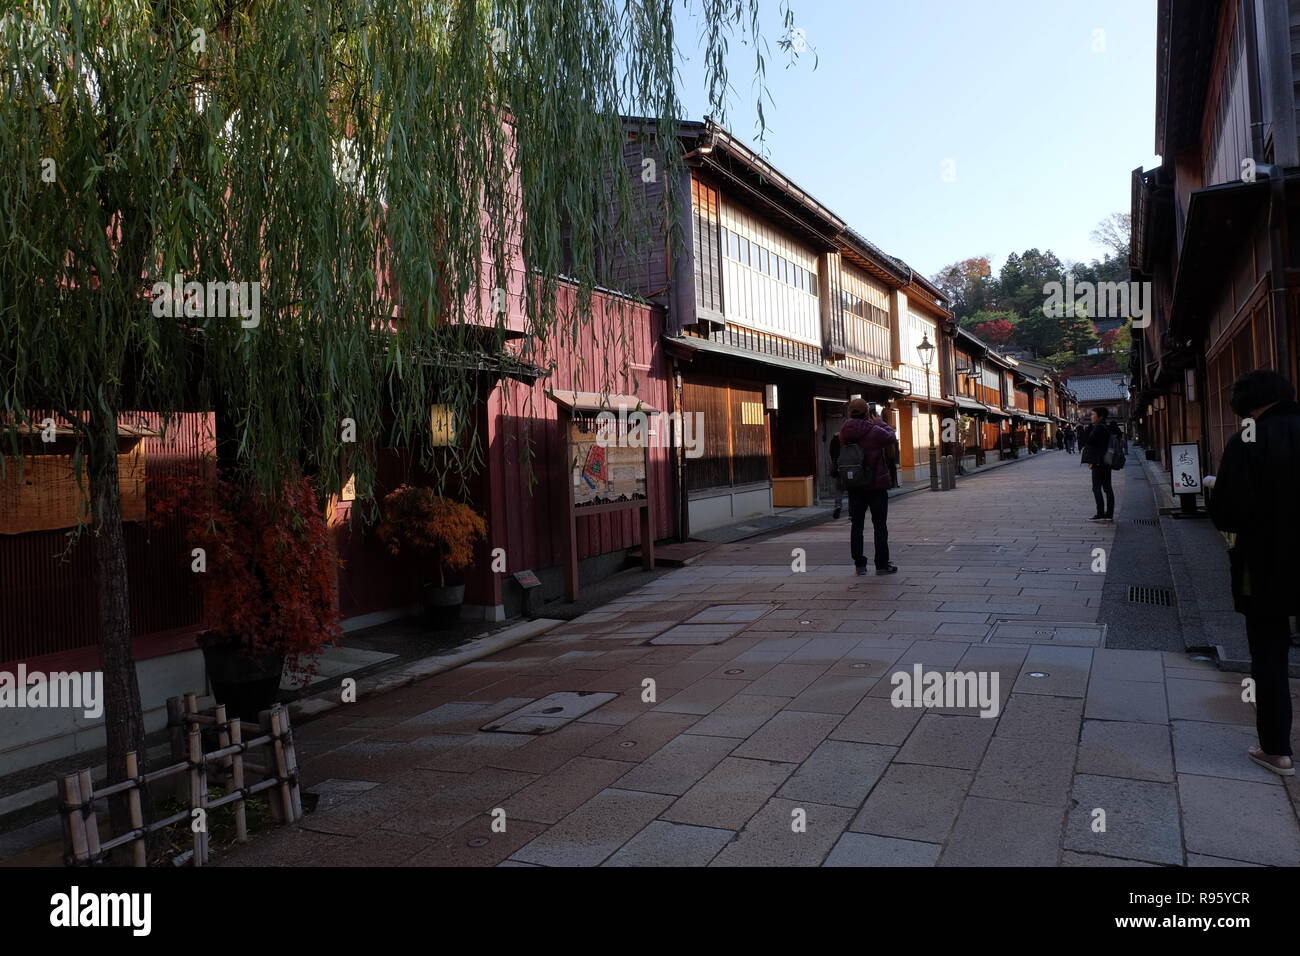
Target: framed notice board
(607, 466)
(604, 472)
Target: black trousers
(860, 501)
(1101, 483)
(1270, 641)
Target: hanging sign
(1185, 468)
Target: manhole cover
(1038, 674)
(548, 714)
(1072, 633)
(477, 842)
(1160, 597)
(628, 743)
(734, 670)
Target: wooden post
(571, 586)
(91, 821)
(282, 761)
(198, 795)
(648, 518)
(223, 733)
(237, 782)
(138, 856)
(275, 766)
(74, 823)
(291, 767)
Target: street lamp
(926, 351)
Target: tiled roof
(1096, 388)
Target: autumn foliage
(998, 332)
(415, 521)
(271, 576)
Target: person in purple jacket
(869, 431)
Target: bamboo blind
(40, 492)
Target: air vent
(1161, 597)
(1149, 522)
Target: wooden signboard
(1185, 468)
(608, 466)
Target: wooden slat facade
(47, 591)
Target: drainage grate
(1149, 522)
(1161, 597)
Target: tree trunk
(123, 716)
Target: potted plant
(268, 579)
(416, 522)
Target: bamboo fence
(190, 773)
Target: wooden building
(47, 598)
(777, 313)
(1213, 226)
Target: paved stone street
(779, 745)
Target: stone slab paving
(764, 730)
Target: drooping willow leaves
(379, 168)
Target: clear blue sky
(1042, 130)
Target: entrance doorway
(830, 417)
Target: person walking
(1253, 499)
(1095, 444)
(834, 448)
(864, 470)
(1068, 434)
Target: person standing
(867, 478)
(1068, 434)
(834, 449)
(1253, 498)
(1096, 442)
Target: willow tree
(355, 163)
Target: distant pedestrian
(834, 449)
(1079, 429)
(1068, 434)
(1253, 498)
(864, 469)
(1095, 444)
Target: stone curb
(307, 708)
(1186, 600)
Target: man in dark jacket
(1096, 439)
(1254, 498)
(872, 434)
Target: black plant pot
(246, 684)
(442, 605)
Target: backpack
(853, 469)
(1116, 453)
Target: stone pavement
(779, 744)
